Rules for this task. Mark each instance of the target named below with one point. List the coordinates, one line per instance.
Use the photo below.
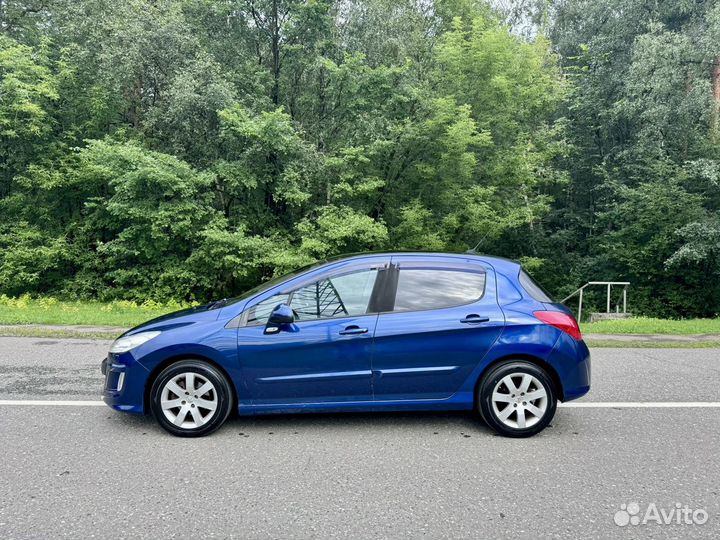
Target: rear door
(444, 318)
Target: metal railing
(609, 284)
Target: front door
(325, 355)
(444, 319)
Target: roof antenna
(473, 251)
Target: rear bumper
(571, 360)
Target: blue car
(375, 332)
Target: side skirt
(462, 401)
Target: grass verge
(26, 310)
(647, 325)
(51, 311)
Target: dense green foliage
(645, 170)
(188, 149)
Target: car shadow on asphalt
(364, 420)
(464, 423)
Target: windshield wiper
(217, 304)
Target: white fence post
(608, 300)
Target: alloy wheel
(189, 400)
(519, 400)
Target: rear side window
(421, 289)
(533, 289)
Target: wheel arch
(186, 356)
(539, 362)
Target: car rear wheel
(517, 399)
(190, 398)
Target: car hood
(182, 317)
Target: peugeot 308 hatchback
(376, 332)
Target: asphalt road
(86, 472)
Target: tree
(192, 148)
(640, 122)
(27, 89)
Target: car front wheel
(190, 398)
(517, 399)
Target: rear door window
(426, 288)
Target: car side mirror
(281, 314)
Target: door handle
(352, 330)
(474, 319)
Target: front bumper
(124, 382)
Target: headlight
(126, 343)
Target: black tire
(516, 369)
(221, 395)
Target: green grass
(646, 325)
(26, 310)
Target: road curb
(664, 338)
(69, 328)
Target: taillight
(561, 321)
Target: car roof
(498, 263)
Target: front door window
(346, 295)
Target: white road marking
(641, 404)
(572, 404)
(43, 402)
